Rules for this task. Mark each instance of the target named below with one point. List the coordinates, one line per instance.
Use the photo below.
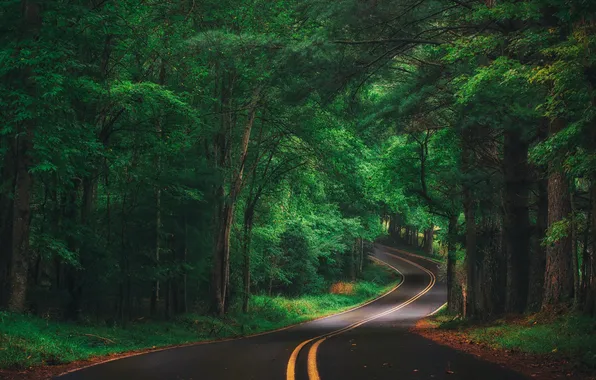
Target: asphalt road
(372, 342)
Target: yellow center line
(312, 369)
(291, 368)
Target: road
(371, 342)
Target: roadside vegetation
(27, 340)
(568, 336)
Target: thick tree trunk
(516, 219)
(23, 182)
(590, 302)
(574, 258)
(469, 206)
(471, 260)
(491, 283)
(558, 284)
(19, 267)
(221, 263)
(538, 258)
(452, 303)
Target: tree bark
(21, 214)
(590, 302)
(21, 224)
(558, 285)
(538, 258)
(516, 219)
(451, 263)
(469, 206)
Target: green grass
(572, 336)
(27, 341)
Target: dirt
(534, 366)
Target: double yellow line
(312, 369)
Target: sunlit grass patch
(342, 287)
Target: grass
(572, 336)
(27, 341)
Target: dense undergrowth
(27, 341)
(570, 336)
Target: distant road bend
(370, 342)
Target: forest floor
(36, 348)
(540, 346)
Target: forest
(166, 157)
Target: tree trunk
(558, 285)
(516, 219)
(361, 261)
(469, 206)
(184, 307)
(248, 218)
(574, 258)
(590, 302)
(159, 132)
(538, 258)
(71, 216)
(7, 186)
(21, 224)
(155, 287)
(471, 260)
(428, 240)
(451, 263)
(21, 214)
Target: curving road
(371, 342)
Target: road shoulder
(534, 366)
